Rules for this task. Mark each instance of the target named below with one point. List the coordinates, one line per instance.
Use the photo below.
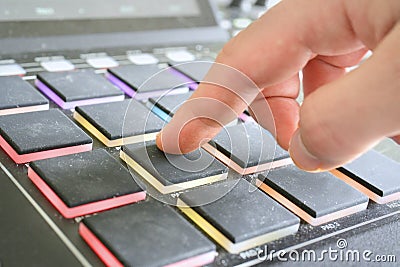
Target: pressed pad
(119, 123)
(172, 173)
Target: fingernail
(158, 136)
(158, 141)
(300, 155)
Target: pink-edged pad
(52, 153)
(24, 109)
(85, 209)
(110, 260)
(246, 118)
(97, 246)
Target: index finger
(270, 51)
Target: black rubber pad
(136, 76)
(376, 172)
(17, 93)
(170, 103)
(241, 214)
(195, 70)
(195, 165)
(86, 177)
(317, 194)
(148, 234)
(40, 131)
(78, 85)
(248, 144)
(121, 119)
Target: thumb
(343, 119)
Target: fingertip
(302, 158)
(167, 140)
(283, 142)
(159, 141)
(185, 139)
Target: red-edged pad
(95, 244)
(24, 158)
(85, 209)
(110, 260)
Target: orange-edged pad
(247, 148)
(374, 174)
(317, 198)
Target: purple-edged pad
(195, 71)
(121, 85)
(192, 84)
(70, 105)
(144, 81)
(77, 88)
(145, 95)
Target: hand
(343, 114)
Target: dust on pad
(374, 174)
(195, 70)
(118, 123)
(145, 81)
(242, 218)
(167, 105)
(18, 96)
(170, 173)
(146, 234)
(85, 183)
(247, 148)
(317, 198)
(41, 134)
(77, 88)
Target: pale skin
(343, 114)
